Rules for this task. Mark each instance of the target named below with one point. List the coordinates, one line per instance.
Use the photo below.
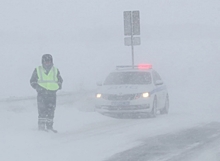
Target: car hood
(124, 89)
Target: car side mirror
(99, 83)
(159, 82)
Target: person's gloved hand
(60, 85)
(39, 89)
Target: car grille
(114, 97)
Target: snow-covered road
(85, 135)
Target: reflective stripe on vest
(48, 81)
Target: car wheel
(154, 108)
(166, 106)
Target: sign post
(131, 28)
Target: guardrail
(59, 95)
(82, 100)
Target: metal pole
(132, 50)
(132, 46)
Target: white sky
(86, 39)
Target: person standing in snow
(46, 80)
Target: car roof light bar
(144, 66)
(125, 67)
(141, 66)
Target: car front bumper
(126, 109)
(141, 105)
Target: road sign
(136, 41)
(131, 28)
(131, 23)
(136, 22)
(127, 23)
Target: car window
(156, 76)
(116, 78)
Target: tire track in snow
(171, 147)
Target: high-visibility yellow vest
(48, 81)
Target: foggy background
(180, 38)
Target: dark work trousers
(46, 107)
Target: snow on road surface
(172, 147)
(86, 135)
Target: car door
(159, 88)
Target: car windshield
(117, 78)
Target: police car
(132, 90)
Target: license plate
(120, 103)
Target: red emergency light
(144, 66)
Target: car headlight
(98, 95)
(145, 95)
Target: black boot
(50, 127)
(42, 128)
(41, 125)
